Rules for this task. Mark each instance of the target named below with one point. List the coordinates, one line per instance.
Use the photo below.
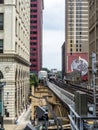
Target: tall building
(36, 35)
(14, 55)
(93, 33)
(76, 41)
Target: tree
(33, 81)
(59, 74)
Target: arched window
(1, 75)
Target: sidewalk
(21, 121)
(24, 114)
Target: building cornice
(14, 57)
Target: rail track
(72, 88)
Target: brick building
(36, 15)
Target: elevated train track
(66, 93)
(66, 97)
(72, 88)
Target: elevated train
(51, 76)
(42, 76)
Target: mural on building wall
(78, 62)
(81, 65)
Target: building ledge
(13, 58)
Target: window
(1, 21)
(33, 32)
(1, 46)
(33, 27)
(34, 10)
(33, 0)
(70, 29)
(80, 45)
(1, 75)
(76, 41)
(34, 38)
(33, 16)
(32, 54)
(33, 21)
(33, 5)
(70, 49)
(1, 1)
(34, 60)
(70, 41)
(34, 65)
(32, 49)
(16, 27)
(33, 43)
(16, 47)
(70, 45)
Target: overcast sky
(53, 33)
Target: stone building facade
(14, 55)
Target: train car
(51, 76)
(42, 76)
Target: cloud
(54, 15)
(53, 41)
(53, 34)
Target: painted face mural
(81, 65)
